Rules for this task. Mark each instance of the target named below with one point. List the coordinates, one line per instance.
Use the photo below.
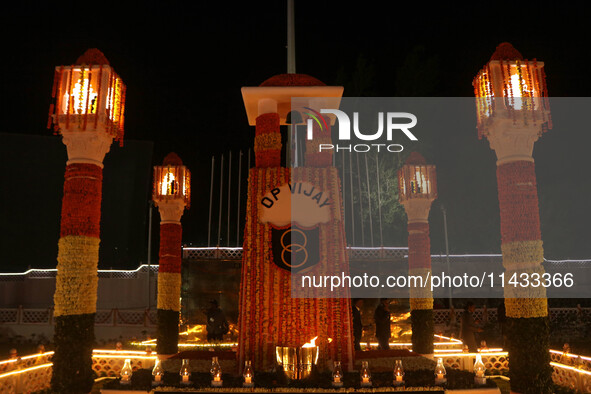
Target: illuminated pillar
(171, 194)
(268, 315)
(512, 114)
(88, 113)
(417, 189)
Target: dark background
(185, 62)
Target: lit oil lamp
(216, 373)
(185, 373)
(365, 375)
(337, 375)
(479, 370)
(440, 372)
(248, 375)
(126, 372)
(398, 374)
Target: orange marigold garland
(268, 141)
(77, 280)
(170, 248)
(169, 287)
(81, 203)
(526, 308)
(421, 298)
(520, 233)
(518, 202)
(419, 246)
(269, 316)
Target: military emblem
(295, 249)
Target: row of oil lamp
(440, 373)
(337, 374)
(185, 373)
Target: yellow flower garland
(524, 257)
(522, 254)
(421, 297)
(421, 303)
(526, 307)
(77, 280)
(169, 291)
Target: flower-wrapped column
(282, 240)
(88, 116)
(267, 141)
(268, 315)
(172, 193)
(76, 281)
(169, 282)
(512, 114)
(417, 190)
(521, 245)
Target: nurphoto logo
(344, 124)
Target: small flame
(312, 343)
(329, 340)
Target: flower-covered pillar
(417, 189)
(87, 111)
(512, 110)
(269, 314)
(171, 194)
(267, 140)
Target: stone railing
(571, 370)
(355, 253)
(571, 377)
(108, 317)
(26, 374)
(35, 273)
(494, 361)
(442, 316)
(110, 362)
(148, 318)
(33, 373)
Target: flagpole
(291, 65)
(221, 201)
(210, 202)
(238, 203)
(229, 190)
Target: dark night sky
(185, 62)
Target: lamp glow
(337, 375)
(365, 374)
(185, 372)
(157, 373)
(216, 373)
(440, 372)
(398, 373)
(416, 179)
(509, 83)
(479, 370)
(88, 95)
(172, 181)
(248, 374)
(126, 372)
